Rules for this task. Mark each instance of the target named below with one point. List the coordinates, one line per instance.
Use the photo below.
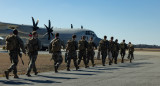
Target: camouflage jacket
(103, 45)
(91, 46)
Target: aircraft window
(90, 33)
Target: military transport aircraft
(46, 35)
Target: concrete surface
(144, 71)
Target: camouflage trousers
(14, 61)
(32, 64)
(72, 55)
(57, 57)
(90, 56)
(82, 54)
(104, 55)
(130, 55)
(115, 56)
(123, 52)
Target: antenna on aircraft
(71, 26)
(49, 30)
(35, 27)
(81, 27)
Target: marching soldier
(33, 46)
(90, 51)
(13, 44)
(130, 51)
(82, 45)
(71, 48)
(103, 48)
(110, 50)
(55, 48)
(115, 51)
(123, 47)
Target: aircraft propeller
(35, 27)
(49, 30)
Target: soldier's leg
(79, 57)
(54, 56)
(103, 58)
(34, 64)
(110, 57)
(115, 59)
(84, 60)
(60, 59)
(75, 63)
(68, 62)
(87, 58)
(30, 65)
(92, 59)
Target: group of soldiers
(86, 51)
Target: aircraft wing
(8, 25)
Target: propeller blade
(49, 24)
(37, 22)
(46, 27)
(33, 22)
(52, 34)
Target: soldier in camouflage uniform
(90, 51)
(71, 48)
(110, 50)
(13, 53)
(130, 51)
(123, 47)
(103, 48)
(33, 46)
(82, 45)
(55, 48)
(115, 51)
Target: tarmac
(143, 71)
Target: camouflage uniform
(14, 56)
(82, 52)
(56, 54)
(110, 51)
(35, 45)
(123, 47)
(130, 51)
(115, 52)
(72, 53)
(103, 48)
(90, 52)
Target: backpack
(11, 42)
(32, 45)
(71, 45)
(81, 45)
(90, 46)
(123, 46)
(103, 45)
(56, 45)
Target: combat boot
(6, 74)
(56, 68)
(93, 65)
(16, 76)
(68, 69)
(77, 67)
(28, 75)
(35, 73)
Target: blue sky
(137, 21)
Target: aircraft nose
(97, 40)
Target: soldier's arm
(39, 44)
(76, 45)
(21, 45)
(95, 45)
(63, 45)
(50, 47)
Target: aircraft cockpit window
(90, 33)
